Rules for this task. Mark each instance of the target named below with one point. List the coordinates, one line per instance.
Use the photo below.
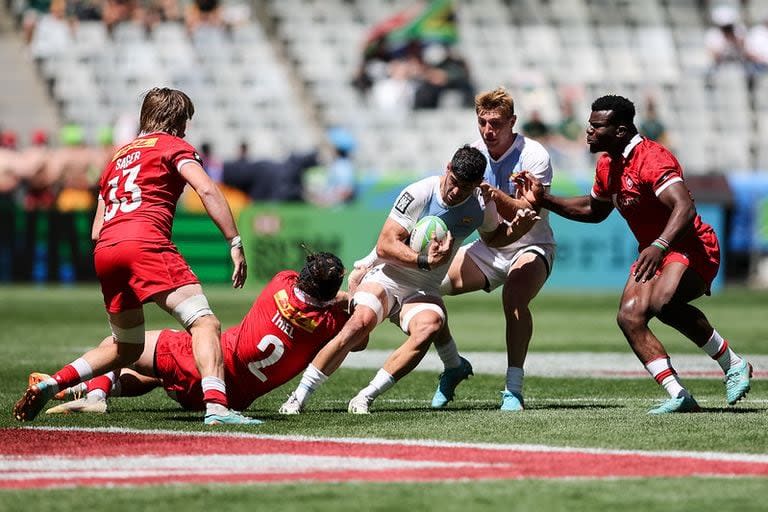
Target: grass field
(43, 328)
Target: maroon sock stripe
(663, 375)
(722, 350)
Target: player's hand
(487, 190)
(439, 253)
(524, 220)
(529, 187)
(241, 269)
(647, 263)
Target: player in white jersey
(520, 267)
(403, 284)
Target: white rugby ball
(423, 231)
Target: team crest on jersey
(292, 314)
(630, 183)
(403, 202)
(137, 144)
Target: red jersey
(633, 184)
(141, 186)
(277, 339)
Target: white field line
(562, 364)
(723, 456)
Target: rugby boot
(683, 403)
(737, 382)
(511, 401)
(449, 379)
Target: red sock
(214, 391)
(102, 382)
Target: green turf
(43, 328)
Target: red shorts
(704, 262)
(131, 272)
(175, 366)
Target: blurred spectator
(651, 126)
(535, 127)
(395, 91)
(211, 164)
(52, 33)
(726, 42)
(757, 43)
(569, 127)
(338, 186)
(444, 70)
(114, 12)
(268, 179)
(35, 9)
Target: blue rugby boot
(511, 401)
(737, 382)
(449, 379)
(683, 403)
(230, 418)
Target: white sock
(310, 381)
(661, 370)
(449, 354)
(83, 368)
(96, 394)
(214, 408)
(515, 380)
(718, 349)
(381, 382)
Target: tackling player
(293, 317)
(679, 254)
(136, 262)
(403, 284)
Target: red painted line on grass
(39, 458)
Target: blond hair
(165, 110)
(498, 100)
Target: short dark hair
(623, 109)
(321, 276)
(468, 164)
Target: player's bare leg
(693, 324)
(640, 302)
(116, 352)
(528, 275)
(422, 321)
(369, 311)
(190, 307)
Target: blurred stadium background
(286, 89)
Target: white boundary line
(715, 456)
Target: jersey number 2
(124, 204)
(277, 353)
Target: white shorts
(397, 294)
(496, 265)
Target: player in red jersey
(136, 262)
(292, 319)
(679, 254)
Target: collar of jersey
(637, 139)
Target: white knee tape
(369, 300)
(132, 335)
(418, 309)
(191, 309)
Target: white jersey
(524, 155)
(421, 199)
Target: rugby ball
(423, 231)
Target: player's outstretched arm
(509, 232)
(581, 208)
(506, 205)
(218, 209)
